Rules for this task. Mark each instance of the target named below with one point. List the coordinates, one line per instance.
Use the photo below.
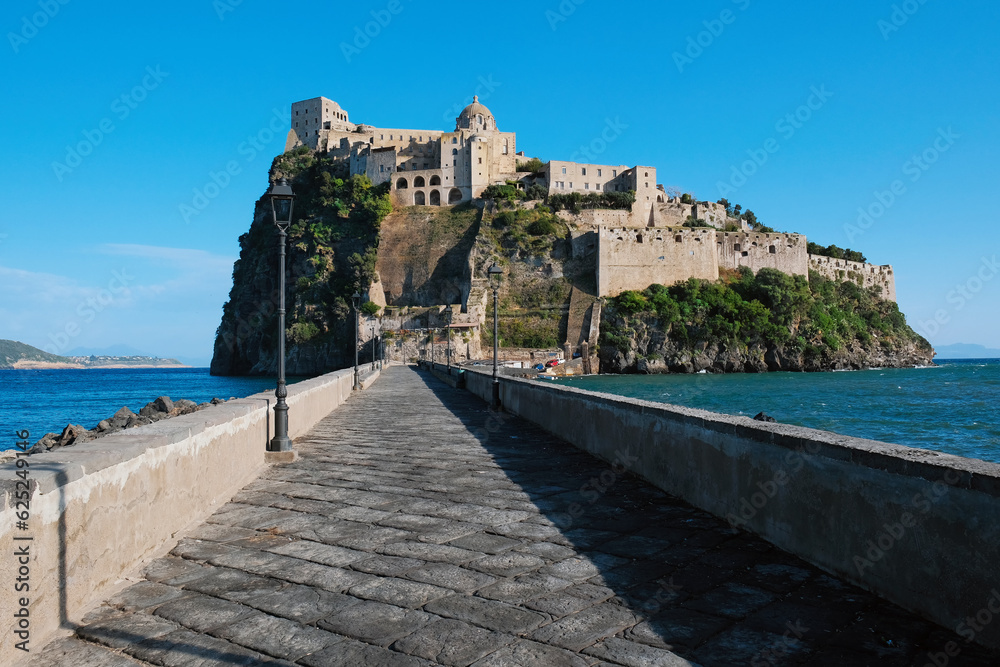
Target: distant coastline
(20, 356)
(24, 365)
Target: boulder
(45, 443)
(163, 404)
(183, 407)
(217, 401)
(103, 426)
(151, 412)
(764, 417)
(72, 434)
(121, 418)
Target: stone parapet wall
(100, 510)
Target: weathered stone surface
(201, 612)
(400, 592)
(124, 631)
(487, 613)
(277, 636)
(508, 564)
(72, 651)
(375, 622)
(450, 576)
(352, 653)
(320, 553)
(190, 649)
(531, 653)
(144, 595)
(581, 630)
(450, 642)
(302, 603)
(624, 652)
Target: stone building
(424, 167)
(634, 248)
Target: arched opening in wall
(736, 247)
(419, 182)
(678, 238)
(454, 196)
(401, 184)
(435, 180)
(419, 199)
(772, 250)
(435, 198)
(659, 198)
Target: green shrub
(533, 165)
(542, 227)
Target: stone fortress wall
(866, 275)
(634, 259)
(784, 252)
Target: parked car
(551, 363)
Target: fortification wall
(784, 252)
(888, 518)
(869, 275)
(634, 259)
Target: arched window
(419, 199)
(435, 198)
(454, 151)
(401, 184)
(454, 196)
(435, 180)
(419, 182)
(454, 140)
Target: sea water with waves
(953, 407)
(44, 401)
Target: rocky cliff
(752, 324)
(332, 248)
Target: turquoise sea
(953, 407)
(43, 401)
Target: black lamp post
(450, 313)
(432, 345)
(373, 344)
(356, 301)
(495, 273)
(282, 200)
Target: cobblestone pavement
(400, 538)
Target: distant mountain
(119, 350)
(966, 351)
(12, 352)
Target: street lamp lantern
(282, 198)
(495, 274)
(356, 302)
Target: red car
(550, 364)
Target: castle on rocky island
(634, 248)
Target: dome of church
(476, 117)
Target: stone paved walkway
(400, 538)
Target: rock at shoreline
(161, 408)
(764, 417)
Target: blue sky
(120, 114)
